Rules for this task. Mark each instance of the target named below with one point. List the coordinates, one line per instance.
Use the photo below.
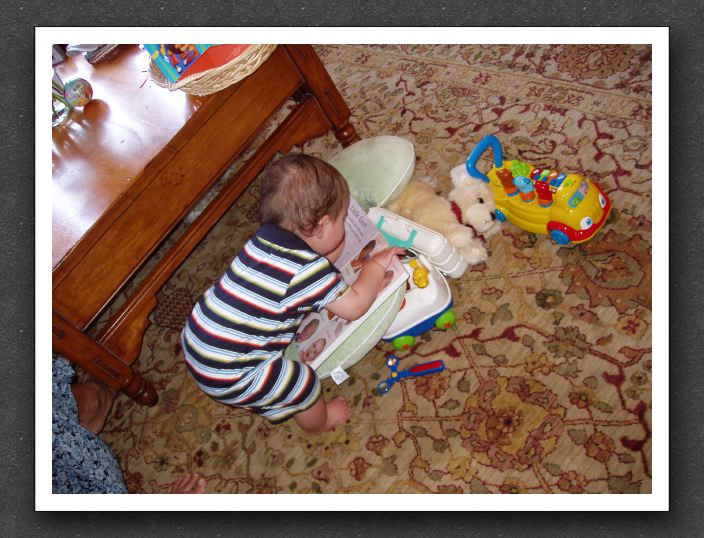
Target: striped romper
(234, 339)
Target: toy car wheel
(446, 320)
(559, 237)
(403, 342)
(500, 215)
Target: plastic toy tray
(421, 303)
(400, 231)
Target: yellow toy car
(568, 208)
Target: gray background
(17, 330)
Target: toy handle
(426, 368)
(484, 143)
(384, 386)
(395, 241)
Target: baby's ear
(322, 227)
(459, 175)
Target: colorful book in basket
(321, 333)
(179, 61)
(175, 60)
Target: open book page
(320, 334)
(359, 234)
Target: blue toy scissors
(414, 371)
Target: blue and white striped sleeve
(316, 285)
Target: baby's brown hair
(298, 190)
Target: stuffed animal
(466, 218)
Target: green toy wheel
(446, 320)
(403, 342)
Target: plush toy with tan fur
(466, 218)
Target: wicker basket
(216, 79)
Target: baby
(234, 339)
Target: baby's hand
(384, 257)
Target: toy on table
(569, 208)
(414, 371)
(423, 307)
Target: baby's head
(305, 195)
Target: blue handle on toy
(384, 386)
(394, 241)
(414, 371)
(484, 143)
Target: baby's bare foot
(191, 483)
(338, 413)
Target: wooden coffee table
(129, 166)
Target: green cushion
(376, 169)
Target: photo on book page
(321, 333)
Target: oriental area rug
(547, 386)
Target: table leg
(80, 349)
(318, 80)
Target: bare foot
(338, 413)
(323, 416)
(93, 400)
(191, 483)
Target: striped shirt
(251, 314)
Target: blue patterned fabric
(81, 461)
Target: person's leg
(81, 461)
(93, 400)
(323, 416)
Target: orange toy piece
(506, 178)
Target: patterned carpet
(548, 380)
